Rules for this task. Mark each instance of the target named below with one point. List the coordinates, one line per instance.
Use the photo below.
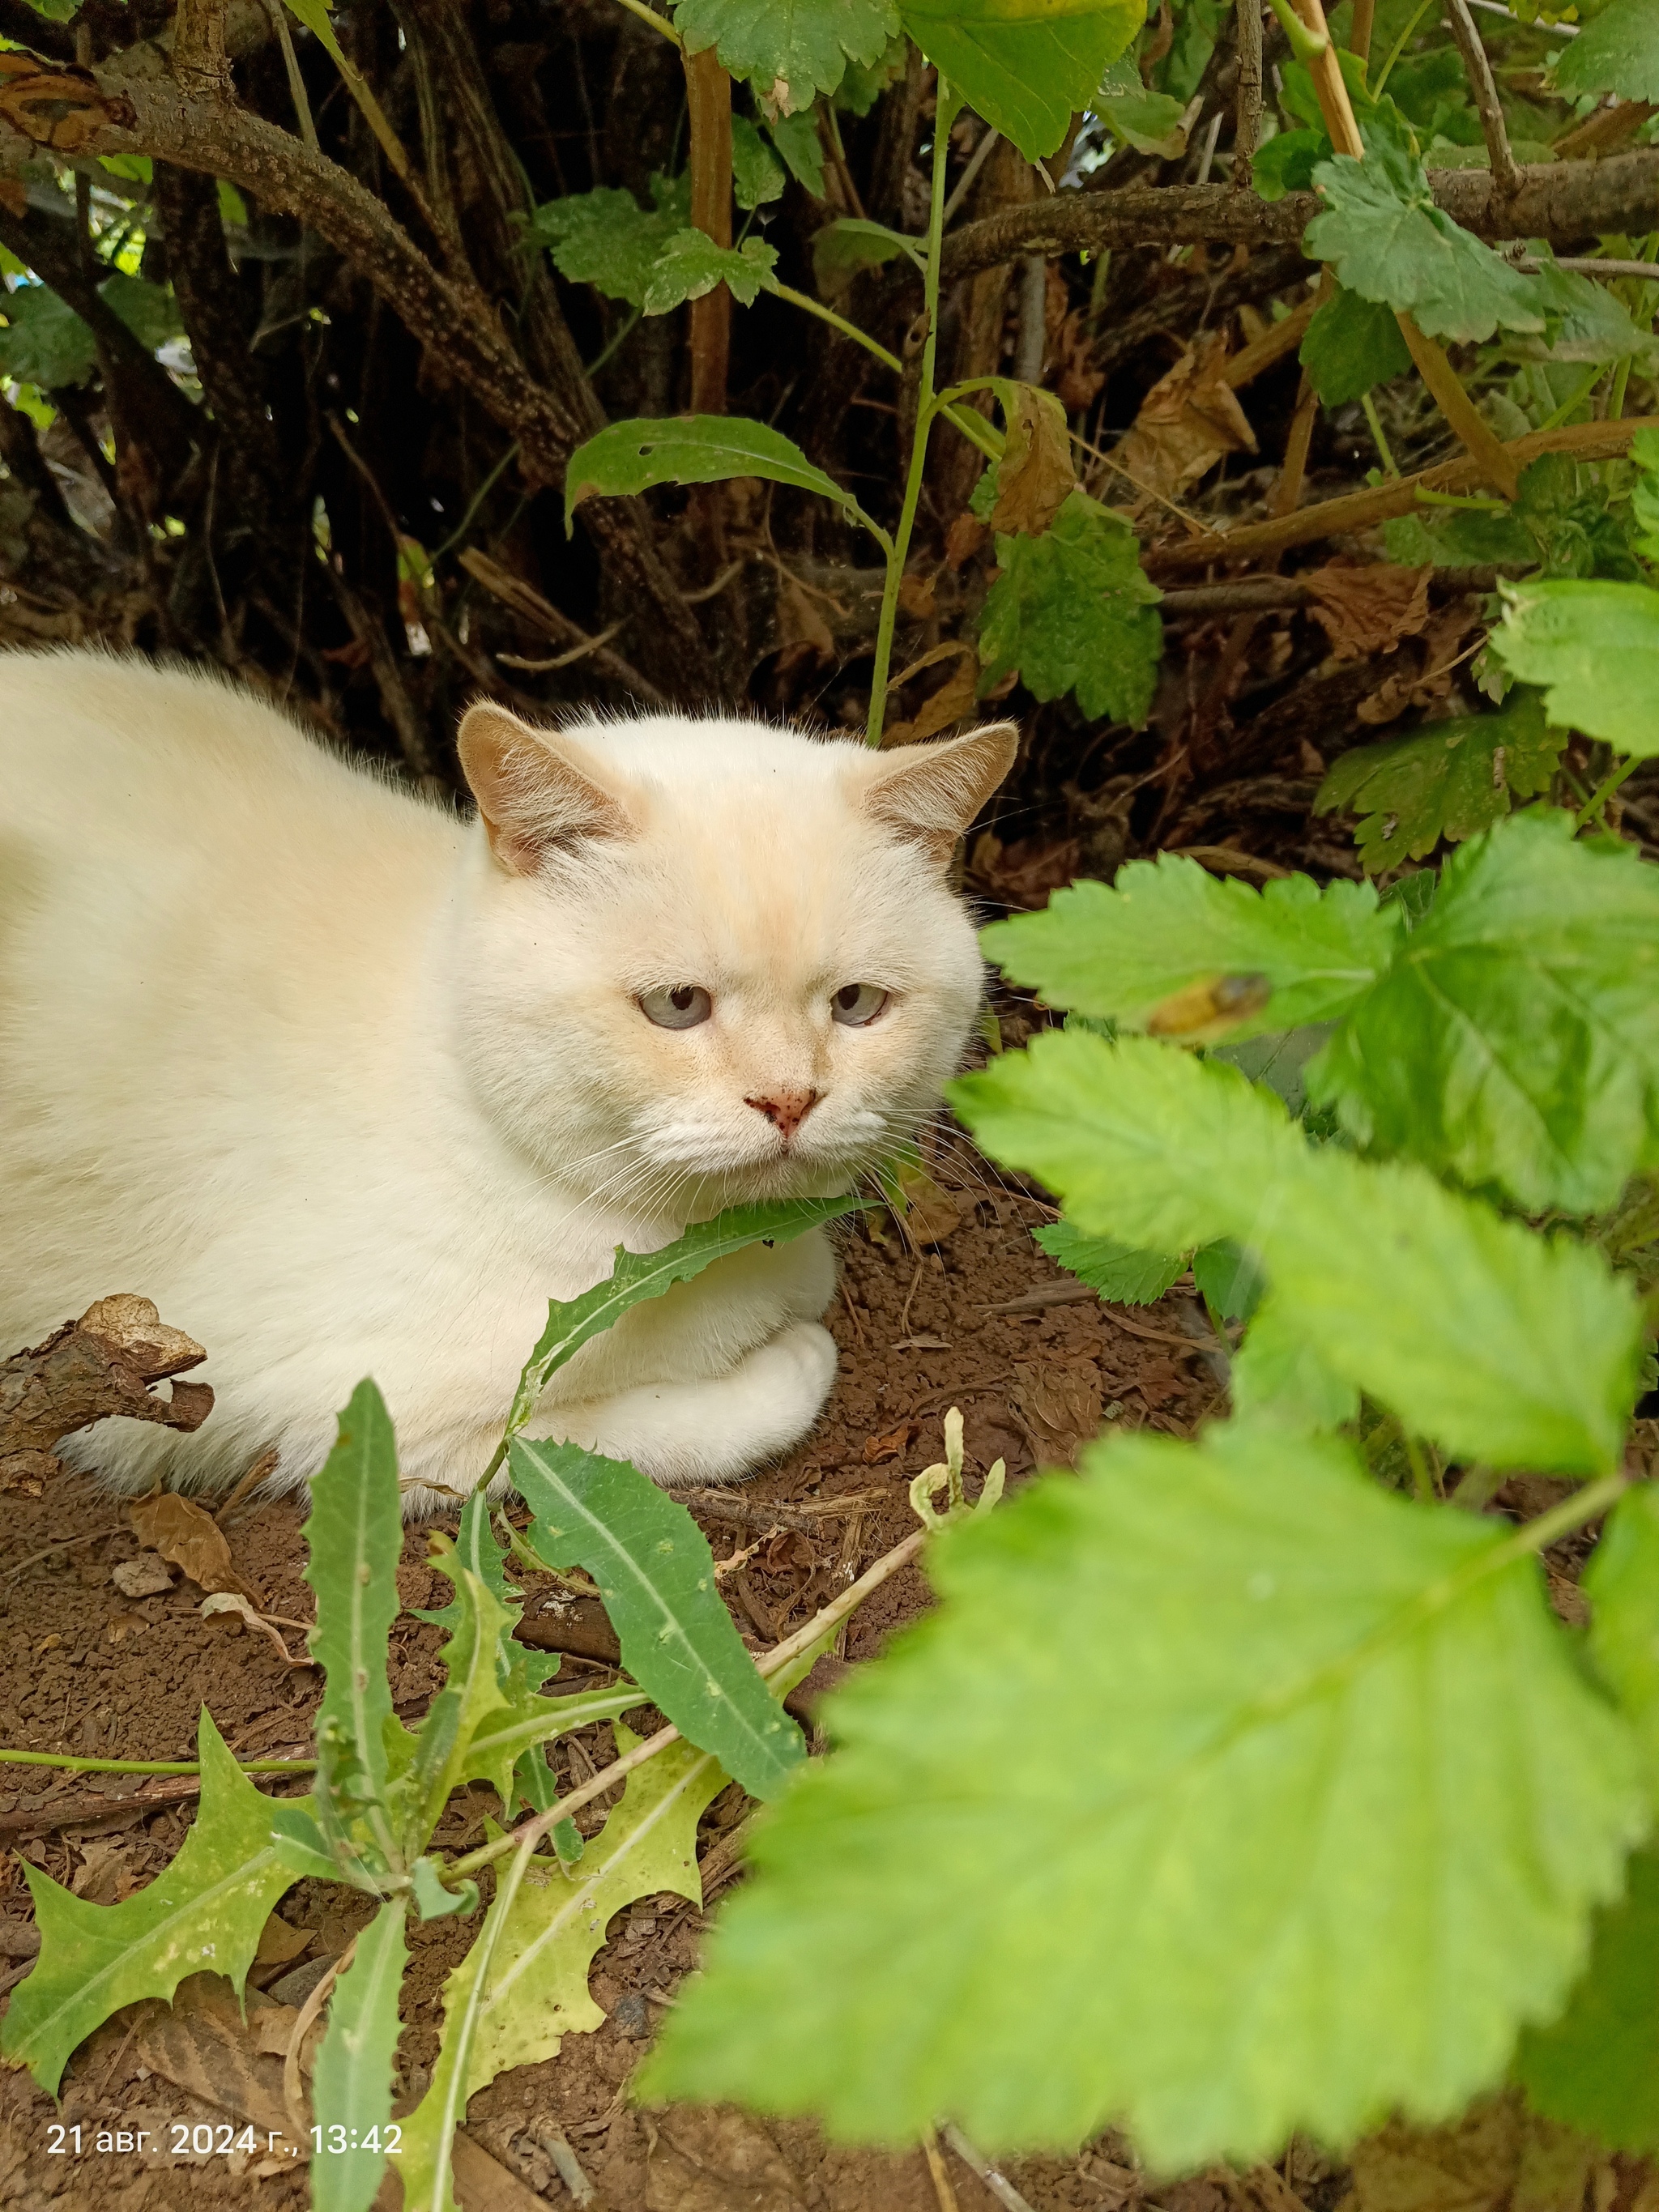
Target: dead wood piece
(101, 1365)
(580, 1625)
(80, 1812)
(527, 603)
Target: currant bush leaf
(1645, 493)
(203, 1914)
(796, 137)
(1072, 611)
(1312, 1817)
(605, 237)
(686, 449)
(1598, 2067)
(789, 50)
(756, 172)
(1027, 66)
(1587, 321)
(1278, 1381)
(351, 2087)
(656, 1574)
(1516, 1041)
(1167, 923)
(1351, 344)
(1622, 1583)
(691, 264)
(1452, 780)
(1121, 1275)
(1594, 646)
(1619, 52)
(1151, 122)
(1498, 1344)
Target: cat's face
(709, 961)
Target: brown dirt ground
(84, 1670)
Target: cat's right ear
(538, 791)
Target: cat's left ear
(538, 791)
(930, 793)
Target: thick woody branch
(1563, 202)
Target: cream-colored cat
(351, 1087)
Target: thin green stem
(838, 322)
(1422, 1480)
(1573, 400)
(150, 1765)
(1375, 423)
(945, 110)
(1399, 48)
(1591, 811)
(657, 22)
(477, 501)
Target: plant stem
(805, 300)
(1592, 811)
(1422, 1480)
(1376, 426)
(650, 16)
(945, 104)
(1574, 400)
(150, 1765)
(1399, 48)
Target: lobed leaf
(1313, 1803)
(1597, 2066)
(1451, 780)
(351, 2085)
(1027, 66)
(1594, 646)
(1501, 1345)
(1072, 611)
(1351, 344)
(1514, 1041)
(1121, 1274)
(203, 1914)
(605, 237)
(789, 50)
(691, 264)
(1622, 1583)
(757, 174)
(633, 457)
(1618, 52)
(656, 1574)
(1151, 122)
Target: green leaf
(850, 244)
(606, 238)
(1645, 493)
(149, 311)
(44, 341)
(789, 50)
(633, 457)
(436, 1902)
(1587, 321)
(1072, 611)
(757, 171)
(1622, 1584)
(1286, 163)
(471, 1693)
(1501, 1345)
(351, 2087)
(1151, 122)
(1351, 344)
(354, 1536)
(1598, 2067)
(1619, 52)
(1025, 65)
(1452, 780)
(1595, 646)
(1515, 1039)
(1311, 1816)
(1167, 923)
(1278, 1381)
(638, 1275)
(203, 1914)
(1122, 1276)
(656, 1574)
(691, 264)
(796, 137)
(1228, 1278)
(1389, 243)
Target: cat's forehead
(705, 756)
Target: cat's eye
(680, 1006)
(856, 1004)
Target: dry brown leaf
(1498, 2157)
(1035, 476)
(799, 620)
(104, 1875)
(1062, 1403)
(964, 539)
(930, 1214)
(281, 1942)
(715, 2159)
(916, 597)
(89, 1369)
(191, 1540)
(202, 2044)
(1425, 673)
(1188, 422)
(218, 1601)
(956, 699)
(1077, 380)
(893, 1445)
(1365, 610)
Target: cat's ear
(537, 791)
(929, 793)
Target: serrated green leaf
(1587, 321)
(796, 137)
(1515, 1039)
(1389, 243)
(633, 457)
(1453, 778)
(1286, 163)
(1121, 1275)
(1595, 646)
(690, 265)
(850, 244)
(43, 341)
(1228, 1278)
(1645, 493)
(1598, 2067)
(1619, 52)
(1278, 1381)
(351, 2085)
(203, 1914)
(1351, 344)
(354, 1535)
(789, 50)
(638, 1275)
(1151, 122)
(1167, 923)
(605, 237)
(1073, 610)
(1027, 66)
(471, 1694)
(1312, 1817)
(656, 1574)
(756, 172)
(433, 1900)
(1500, 1343)
(1622, 1584)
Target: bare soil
(86, 1670)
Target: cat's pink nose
(785, 1109)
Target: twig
(293, 2093)
(560, 659)
(262, 1464)
(296, 84)
(936, 2166)
(63, 1544)
(1247, 130)
(965, 184)
(1505, 171)
(525, 601)
(754, 1516)
(554, 2142)
(998, 2182)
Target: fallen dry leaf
(88, 1370)
(964, 539)
(104, 1875)
(929, 1214)
(1035, 476)
(146, 1576)
(893, 1445)
(191, 1538)
(1061, 1404)
(1077, 380)
(1188, 422)
(1498, 2157)
(801, 620)
(233, 1601)
(281, 1942)
(715, 2159)
(1426, 674)
(1365, 610)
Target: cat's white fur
(350, 1086)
